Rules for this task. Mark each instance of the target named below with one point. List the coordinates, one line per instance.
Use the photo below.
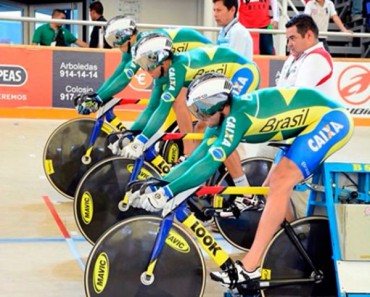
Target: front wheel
(283, 261)
(99, 192)
(121, 255)
(63, 157)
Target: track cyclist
(121, 32)
(318, 125)
(172, 72)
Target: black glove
(87, 103)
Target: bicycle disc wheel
(64, 150)
(172, 149)
(121, 255)
(99, 192)
(240, 231)
(283, 261)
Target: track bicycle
(159, 256)
(103, 187)
(76, 145)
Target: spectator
(321, 11)
(305, 53)
(256, 14)
(54, 34)
(97, 34)
(356, 10)
(232, 33)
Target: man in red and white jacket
(308, 64)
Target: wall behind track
(39, 82)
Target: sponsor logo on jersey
(284, 121)
(317, 141)
(241, 81)
(167, 97)
(180, 47)
(218, 68)
(229, 131)
(172, 79)
(218, 154)
(129, 73)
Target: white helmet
(119, 29)
(151, 50)
(208, 94)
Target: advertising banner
(75, 73)
(353, 87)
(25, 77)
(47, 77)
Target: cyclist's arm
(154, 100)
(167, 99)
(210, 135)
(120, 78)
(203, 169)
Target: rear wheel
(64, 151)
(121, 255)
(283, 261)
(99, 192)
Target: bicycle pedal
(249, 289)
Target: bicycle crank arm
(264, 284)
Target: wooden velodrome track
(42, 253)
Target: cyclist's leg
(184, 120)
(321, 138)
(286, 175)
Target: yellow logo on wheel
(177, 242)
(144, 174)
(87, 208)
(101, 272)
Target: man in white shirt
(233, 34)
(321, 11)
(308, 63)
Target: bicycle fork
(206, 240)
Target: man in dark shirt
(97, 34)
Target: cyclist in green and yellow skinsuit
(317, 125)
(172, 72)
(122, 32)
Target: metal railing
(279, 32)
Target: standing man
(256, 14)
(309, 64)
(232, 34)
(97, 34)
(321, 11)
(53, 34)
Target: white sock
(241, 181)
